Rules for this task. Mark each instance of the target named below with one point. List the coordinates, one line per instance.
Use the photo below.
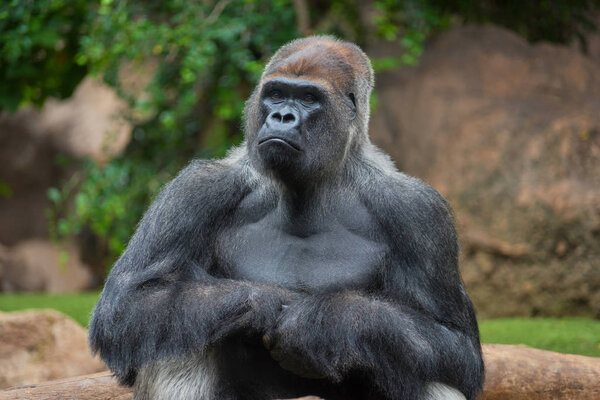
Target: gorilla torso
(338, 248)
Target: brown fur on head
(339, 66)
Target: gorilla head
(310, 109)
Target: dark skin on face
(296, 129)
(288, 103)
(302, 264)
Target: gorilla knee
(440, 391)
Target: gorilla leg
(439, 391)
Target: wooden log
(523, 373)
(100, 386)
(512, 373)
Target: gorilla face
(304, 130)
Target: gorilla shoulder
(201, 192)
(204, 177)
(409, 208)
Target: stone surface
(28, 170)
(512, 373)
(41, 266)
(592, 41)
(40, 345)
(510, 133)
(89, 124)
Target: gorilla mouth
(277, 139)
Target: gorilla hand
(291, 343)
(264, 305)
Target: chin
(278, 157)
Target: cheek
(327, 138)
(255, 121)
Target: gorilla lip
(276, 139)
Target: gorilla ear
(352, 106)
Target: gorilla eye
(275, 95)
(309, 98)
(351, 95)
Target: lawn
(576, 336)
(77, 305)
(570, 335)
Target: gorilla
(303, 263)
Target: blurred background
(494, 103)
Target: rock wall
(510, 133)
(40, 266)
(89, 124)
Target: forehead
(325, 63)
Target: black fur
(343, 283)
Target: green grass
(77, 305)
(576, 336)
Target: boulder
(28, 170)
(40, 345)
(589, 43)
(509, 132)
(41, 266)
(91, 124)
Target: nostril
(276, 116)
(288, 118)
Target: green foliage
(186, 67)
(410, 23)
(38, 42)
(5, 190)
(556, 21)
(204, 59)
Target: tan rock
(89, 124)
(40, 345)
(41, 266)
(509, 132)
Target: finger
(266, 340)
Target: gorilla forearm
(399, 347)
(162, 318)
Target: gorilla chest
(335, 258)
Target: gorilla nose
(286, 117)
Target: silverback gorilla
(303, 263)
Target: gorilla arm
(160, 300)
(419, 327)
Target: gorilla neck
(305, 204)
